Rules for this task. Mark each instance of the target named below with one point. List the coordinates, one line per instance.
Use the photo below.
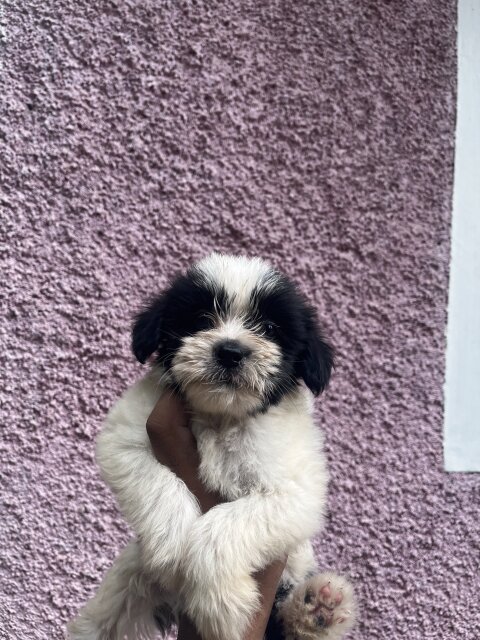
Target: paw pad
(323, 607)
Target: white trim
(462, 384)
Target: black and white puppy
(243, 348)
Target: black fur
(146, 329)
(278, 311)
(184, 308)
(306, 354)
(317, 359)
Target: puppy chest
(231, 462)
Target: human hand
(174, 446)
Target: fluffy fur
(244, 349)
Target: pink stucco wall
(139, 135)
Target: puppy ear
(317, 360)
(146, 330)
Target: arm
(174, 446)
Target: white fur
(270, 467)
(190, 368)
(124, 603)
(238, 275)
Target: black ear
(317, 360)
(146, 330)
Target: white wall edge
(462, 382)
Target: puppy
(243, 348)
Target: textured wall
(139, 135)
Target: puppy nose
(230, 353)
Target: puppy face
(234, 336)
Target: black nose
(230, 353)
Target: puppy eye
(269, 328)
(202, 321)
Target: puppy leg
(227, 545)
(321, 607)
(126, 605)
(153, 499)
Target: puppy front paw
(322, 607)
(221, 609)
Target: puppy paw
(220, 610)
(322, 607)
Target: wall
(137, 136)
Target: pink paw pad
(321, 608)
(326, 594)
(323, 603)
